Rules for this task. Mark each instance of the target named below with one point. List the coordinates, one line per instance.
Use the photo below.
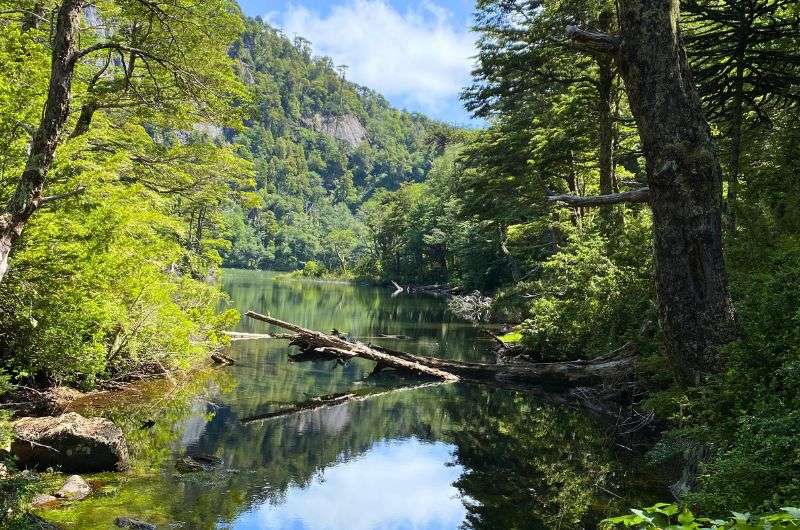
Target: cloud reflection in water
(396, 485)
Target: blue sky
(417, 53)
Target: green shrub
(588, 301)
(313, 269)
(665, 516)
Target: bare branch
(640, 195)
(593, 42)
(52, 198)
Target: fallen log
(607, 369)
(338, 347)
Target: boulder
(75, 489)
(135, 524)
(42, 500)
(71, 443)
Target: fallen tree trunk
(340, 348)
(607, 369)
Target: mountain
(321, 146)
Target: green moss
(512, 337)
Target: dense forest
(320, 146)
(636, 184)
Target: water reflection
(401, 484)
(437, 457)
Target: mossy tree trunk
(684, 180)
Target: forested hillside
(320, 146)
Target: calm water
(441, 457)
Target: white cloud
(418, 57)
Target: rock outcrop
(345, 128)
(71, 443)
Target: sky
(417, 53)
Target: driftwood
(240, 335)
(436, 289)
(609, 369)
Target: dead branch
(634, 196)
(592, 41)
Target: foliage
(583, 300)
(663, 516)
(121, 276)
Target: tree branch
(41, 201)
(640, 195)
(593, 42)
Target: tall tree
(684, 178)
(525, 72)
(746, 58)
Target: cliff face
(345, 128)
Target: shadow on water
(440, 457)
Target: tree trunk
(516, 273)
(737, 119)
(28, 193)
(606, 125)
(685, 182)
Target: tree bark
(28, 192)
(685, 181)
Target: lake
(437, 457)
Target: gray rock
(41, 500)
(70, 442)
(75, 489)
(346, 128)
(135, 524)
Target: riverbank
(132, 400)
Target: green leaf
(686, 517)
